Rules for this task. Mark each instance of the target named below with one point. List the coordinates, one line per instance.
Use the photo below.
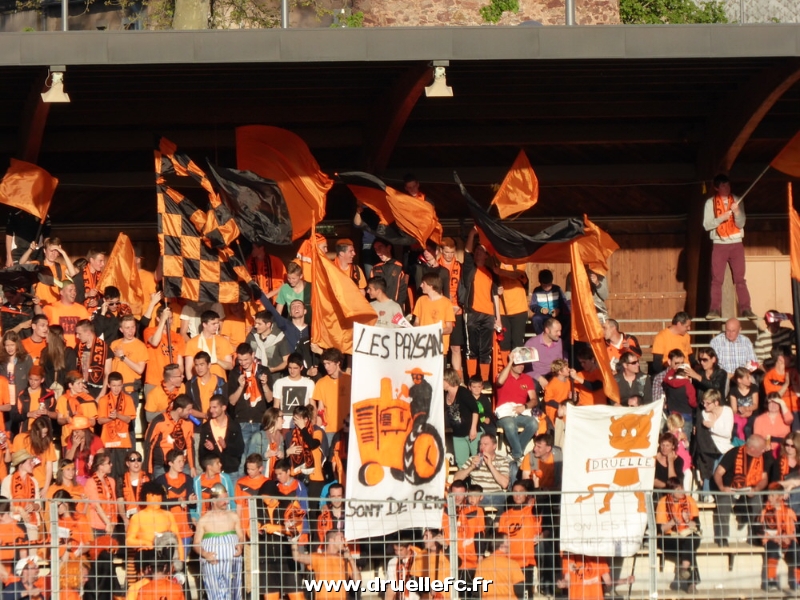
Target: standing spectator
(130, 358)
(83, 447)
(115, 411)
(334, 563)
(249, 396)
(454, 269)
(631, 381)
(589, 380)
(345, 255)
(295, 288)
(39, 443)
(293, 390)
(169, 430)
(297, 332)
(107, 318)
(101, 492)
(57, 360)
(210, 476)
(33, 401)
(15, 363)
(22, 489)
(57, 267)
(268, 271)
(780, 537)
(164, 347)
(219, 540)
(773, 335)
(516, 393)
(129, 485)
(724, 219)
(28, 584)
(209, 341)
(21, 231)
(331, 393)
(391, 271)
(486, 417)
(461, 416)
(269, 443)
(87, 280)
(191, 314)
(159, 398)
(37, 341)
(513, 295)
(433, 307)
(94, 358)
(674, 336)
(152, 521)
(269, 345)
(549, 347)
(179, 488)
(66, 312)
(618, 343)
(559, 391)
(428, 262)
(504, 573)
(476, 297)
(386, 308)
(523, 528)
(733, 349)
(221, 436)
(548, 302)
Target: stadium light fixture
(439, 87)
(55, 92)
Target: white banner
(609, 456)
(396, 449)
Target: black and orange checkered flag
(198, 263)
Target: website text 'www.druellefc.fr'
(377, 585)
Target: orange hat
(36, 370)
(80, 422)
(418, 371)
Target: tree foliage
(659, 12)
(493, 12)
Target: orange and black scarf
(781, 519)
(131, 494)
(305, 459)
(679, 511)
(170, 395)
(455, 276)
(90, 282)
(252, 393)
(22, 488)
(728, 228)
(179, 440)
(95, 370)
(744, 474)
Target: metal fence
(707, 546)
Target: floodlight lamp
(55, 92)
(439, 87)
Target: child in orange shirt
(558, 390)
(585, 577)
(523, 528)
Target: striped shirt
(483, 476)
(766, 341)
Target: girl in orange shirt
(523, 528)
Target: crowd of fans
(235, 402)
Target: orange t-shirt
(157, 400)
(430, 312)
(666, 341)
(116, 434)
(158, 356)
(773, 382)
(546, 471)
(585, 575)
(522, 527)
(34, 348)
(148, 281)
(334, 394)
(23, 442)
(514, 299)
(482, 300)
(70, 405)
(160, 589)
(556, 392)
(331, 568)
(587, 397)
(66, 316)
(503, 572)
(135, 351)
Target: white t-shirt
(391, 575)
(292, 394)
(722, 429)
(386, 312)
(192, 310)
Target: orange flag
(788, 159)
(121, 272)
(415, 217)
(794, 236)
(336, 303)
(519, 190)
(280, 155)
(585, 324)
(28, 187)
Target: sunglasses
(135, 459)
(704, 359)
(789, 444)
(633, 362)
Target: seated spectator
(733, 349)
(780, 537)
(544, 464)
(39, 443)
(516, 395)
(461, 416)
(506, 576)
(29, 584)
(631, 380)
(788, 464)
(22, 489)
(783, 379)
(618, 343)
(488, 470)
(678, 521)
(668, 464)
(775, 424)
(743, 400)
(589, 577)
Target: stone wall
(413, 13)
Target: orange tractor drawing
(389, 435)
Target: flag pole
(752, 185)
